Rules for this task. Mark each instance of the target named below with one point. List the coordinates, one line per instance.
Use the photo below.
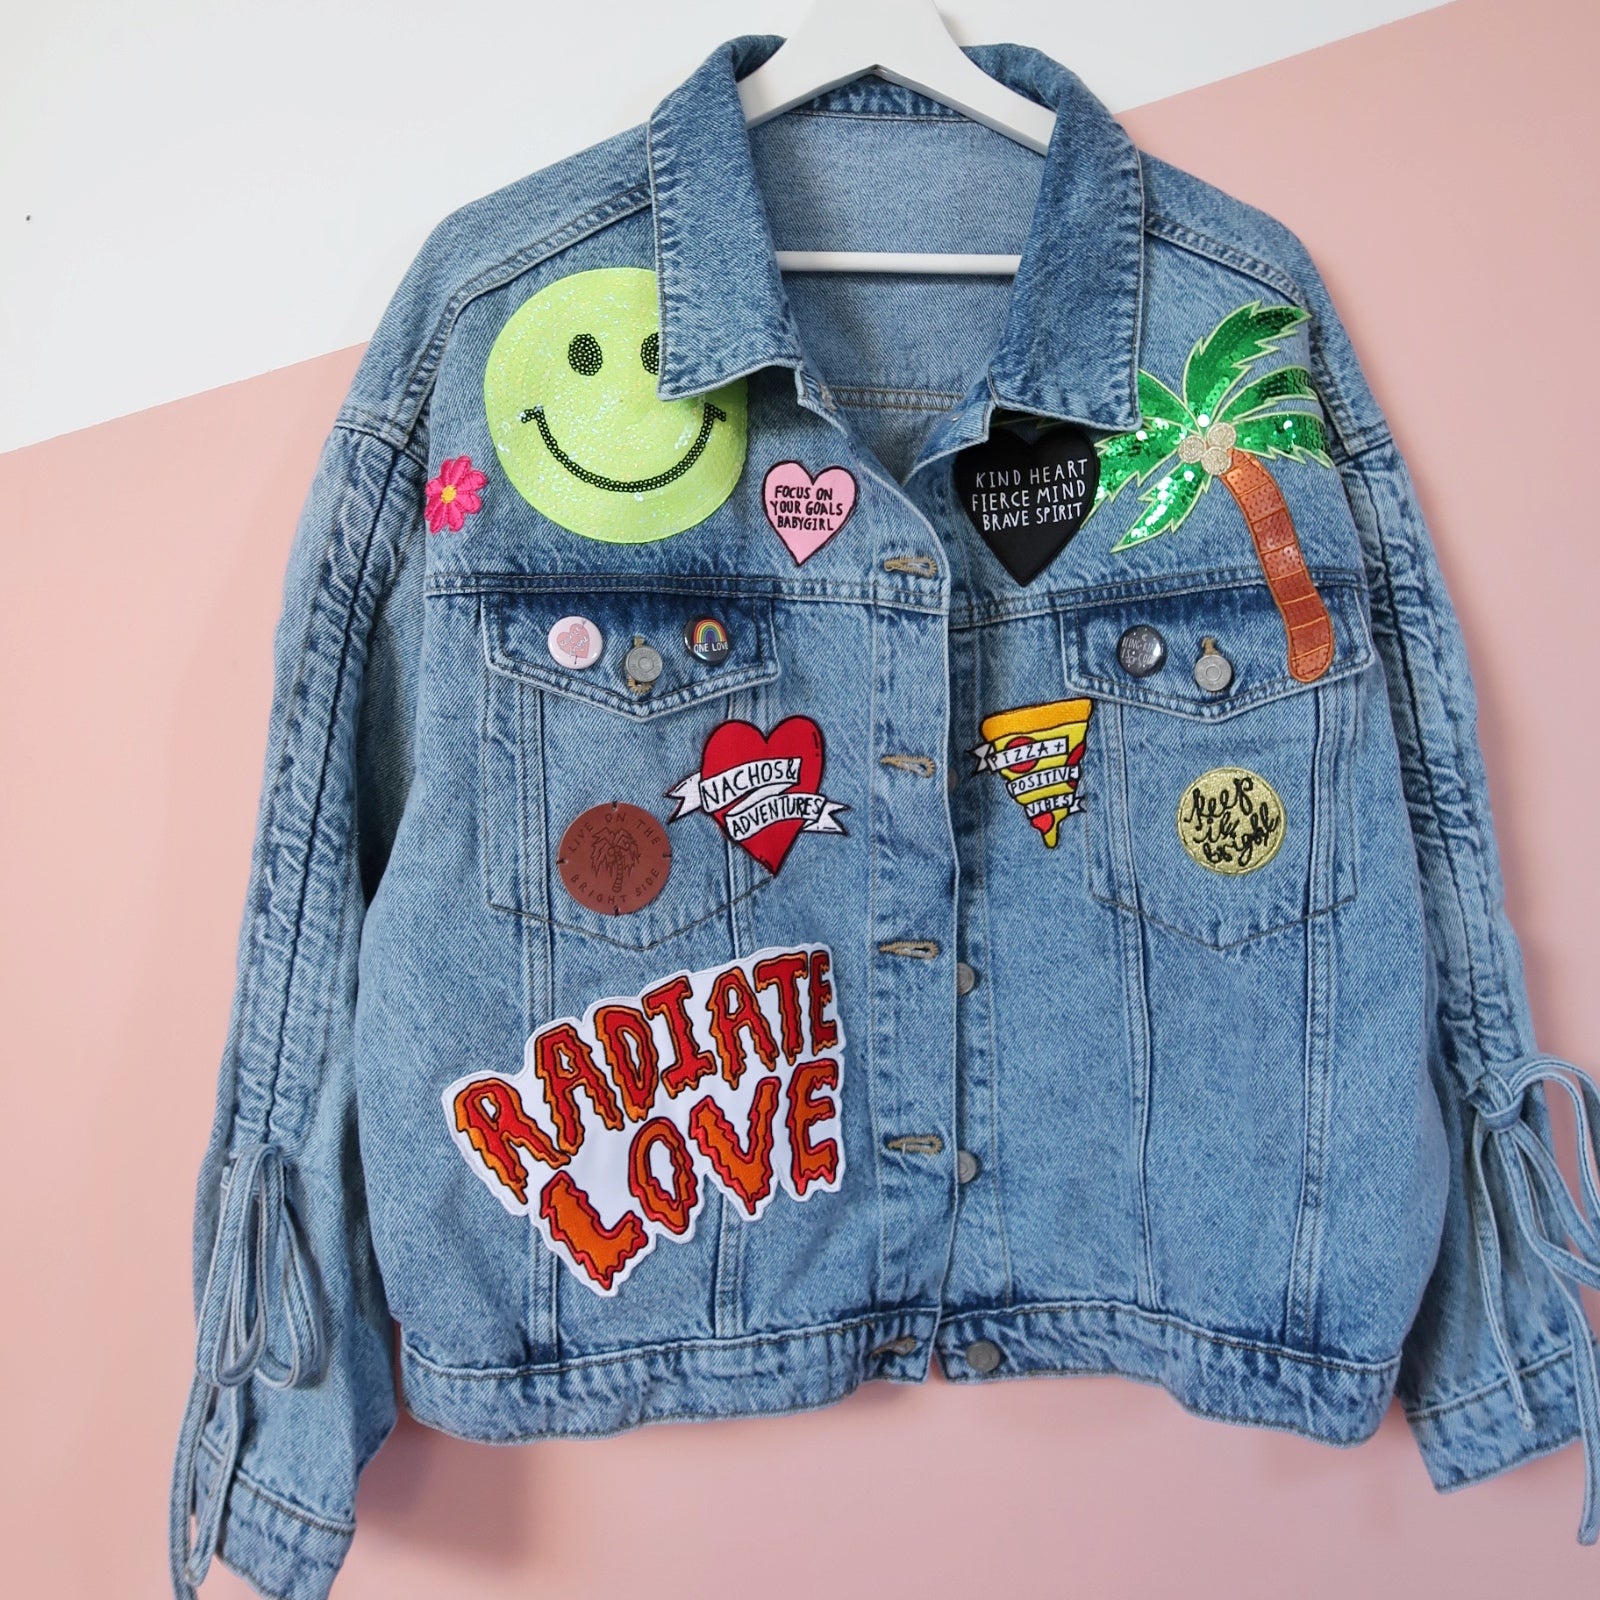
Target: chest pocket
(1172, 761)
(558, 741)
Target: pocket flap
(1243, 620)
(516, 641)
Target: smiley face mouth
(710, 415)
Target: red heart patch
(742, 745)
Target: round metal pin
(576, 642)
(706, 640)
(1213, 671)
(614, 858)
(1142, 650)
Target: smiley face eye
(583, 354)
(650, 353)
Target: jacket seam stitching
(460, 585)
(1441, 836)
(980, 691)
(609, 1358)
(875, 860)
(1298, 921)
(614, 207)
(292, 958)
(464, 585)
(364, 424)
(1207, 1335)
(1443, 1408)
(278, 1502)
(618, 944)
(822, 1330)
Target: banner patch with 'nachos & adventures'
(762, 789)
(620, 1120)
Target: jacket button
(1213, 671)
(903, 1346)
(643, 665)
(967, 1166)
(966, 978)
(1142, 650)
(983, 1355)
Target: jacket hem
(1480, 1436)
(1333, 1400)
(282, 1553)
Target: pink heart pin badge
(806, 512)
(575, 642)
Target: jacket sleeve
(1499, 1365)
(293, 1390)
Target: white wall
(194, 193)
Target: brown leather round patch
(614, 859)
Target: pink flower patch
(453, 495)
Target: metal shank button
(643, 665)
(966, 978)
(967, 1166)
(1213, 671)
(983, 1355)
(1142, 650)
(903, 1346)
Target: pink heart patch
(806, 512)
(736, 745)
(575, 641)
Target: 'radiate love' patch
(622, 1119)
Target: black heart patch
(1027, 489)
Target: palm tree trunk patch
(1225, 425)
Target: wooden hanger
(906, 42)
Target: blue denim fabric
(1276, 1141)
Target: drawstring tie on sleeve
(257, 1282)
(1570, 1251)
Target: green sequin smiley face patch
(570, 393)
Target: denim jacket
(814, 825)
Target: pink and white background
(203, 210)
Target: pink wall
(1440, 170)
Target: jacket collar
(1069, 348)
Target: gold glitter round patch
(1230, 820)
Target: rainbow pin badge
(706, 640)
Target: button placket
(912, 894)
(980, 1260)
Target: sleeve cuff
(281, 1550)
(1465, 1440)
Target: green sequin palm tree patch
(1225, 427)
(570, 395)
